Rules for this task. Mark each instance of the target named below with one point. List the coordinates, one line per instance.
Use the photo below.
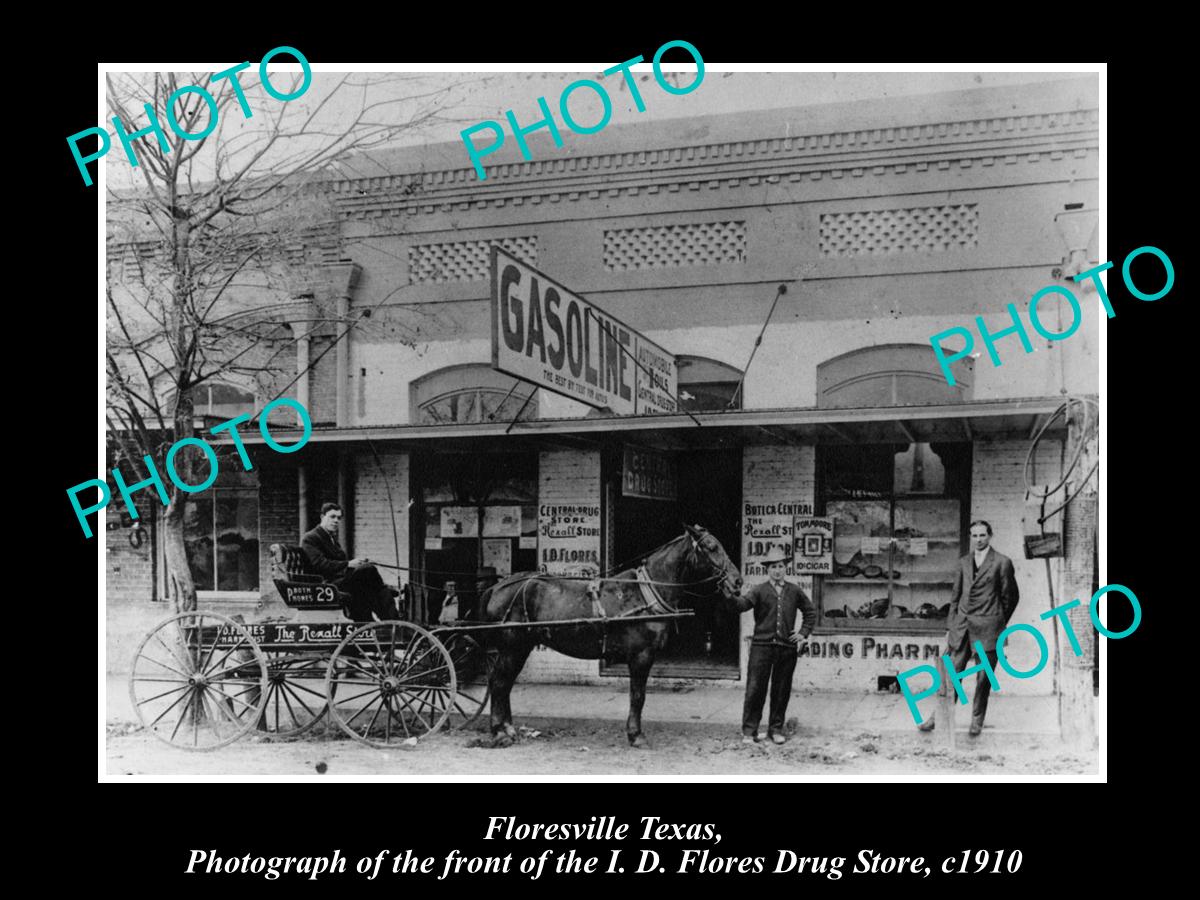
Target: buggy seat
(298, 585)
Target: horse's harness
(653, 601)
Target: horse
(692, 559)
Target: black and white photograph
(671, 421)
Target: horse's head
(707, 551)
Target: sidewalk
(722, 706)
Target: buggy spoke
(300, 687)
(423, 673)
(395, 713)
(241, 640)
(182, 687)
(400, 697)
(312, 715)
(174, 656)
(231, 697)
(183, 713)
(354, 665)
(364, 708)
(344, 699)
(167, 710)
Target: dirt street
(564, 747)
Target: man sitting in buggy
(368, 594)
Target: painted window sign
(648, 474)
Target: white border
(1102, 705)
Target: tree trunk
(178, 569)
(179, 573)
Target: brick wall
(278, 521)
(773, 475)
(374, 514)
(998, 496)
(128, 571)
(566, 477)
(129, 611)
(322, 382)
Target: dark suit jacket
(775, 617)
(982, 603)
(324, 556)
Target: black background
(1079, 835)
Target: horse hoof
(510, 732)
(638, 741)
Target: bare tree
(211, 244)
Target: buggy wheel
(199, 681)
(389, 683)
(295, 693)
(473, 666)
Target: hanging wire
(1091, 419)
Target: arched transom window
(470, 393)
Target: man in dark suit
(357, 577)
(984, 597)
(773, 648)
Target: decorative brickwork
(463, 260)
(671, 246)
(885, 232)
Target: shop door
(475, 511)
(709, 494)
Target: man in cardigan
(360, 579)
(984, 596)
(773, 648)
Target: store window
(705, 384)
(891, 375)
(220, 531)
(215, 401)
(220, 535)
(901, 513)
(470, 393)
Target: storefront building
(887, 221)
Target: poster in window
(529, 528)
(813, 545)
(502, 521)
(497, 552)
(460, 521)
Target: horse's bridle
(699, 550)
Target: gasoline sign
(552, 337)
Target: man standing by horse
(773, 649)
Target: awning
(980, 420)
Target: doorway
(476, 513)
(707, 491)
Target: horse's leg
(513, 653)
(639, 672)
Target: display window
(901, 513)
